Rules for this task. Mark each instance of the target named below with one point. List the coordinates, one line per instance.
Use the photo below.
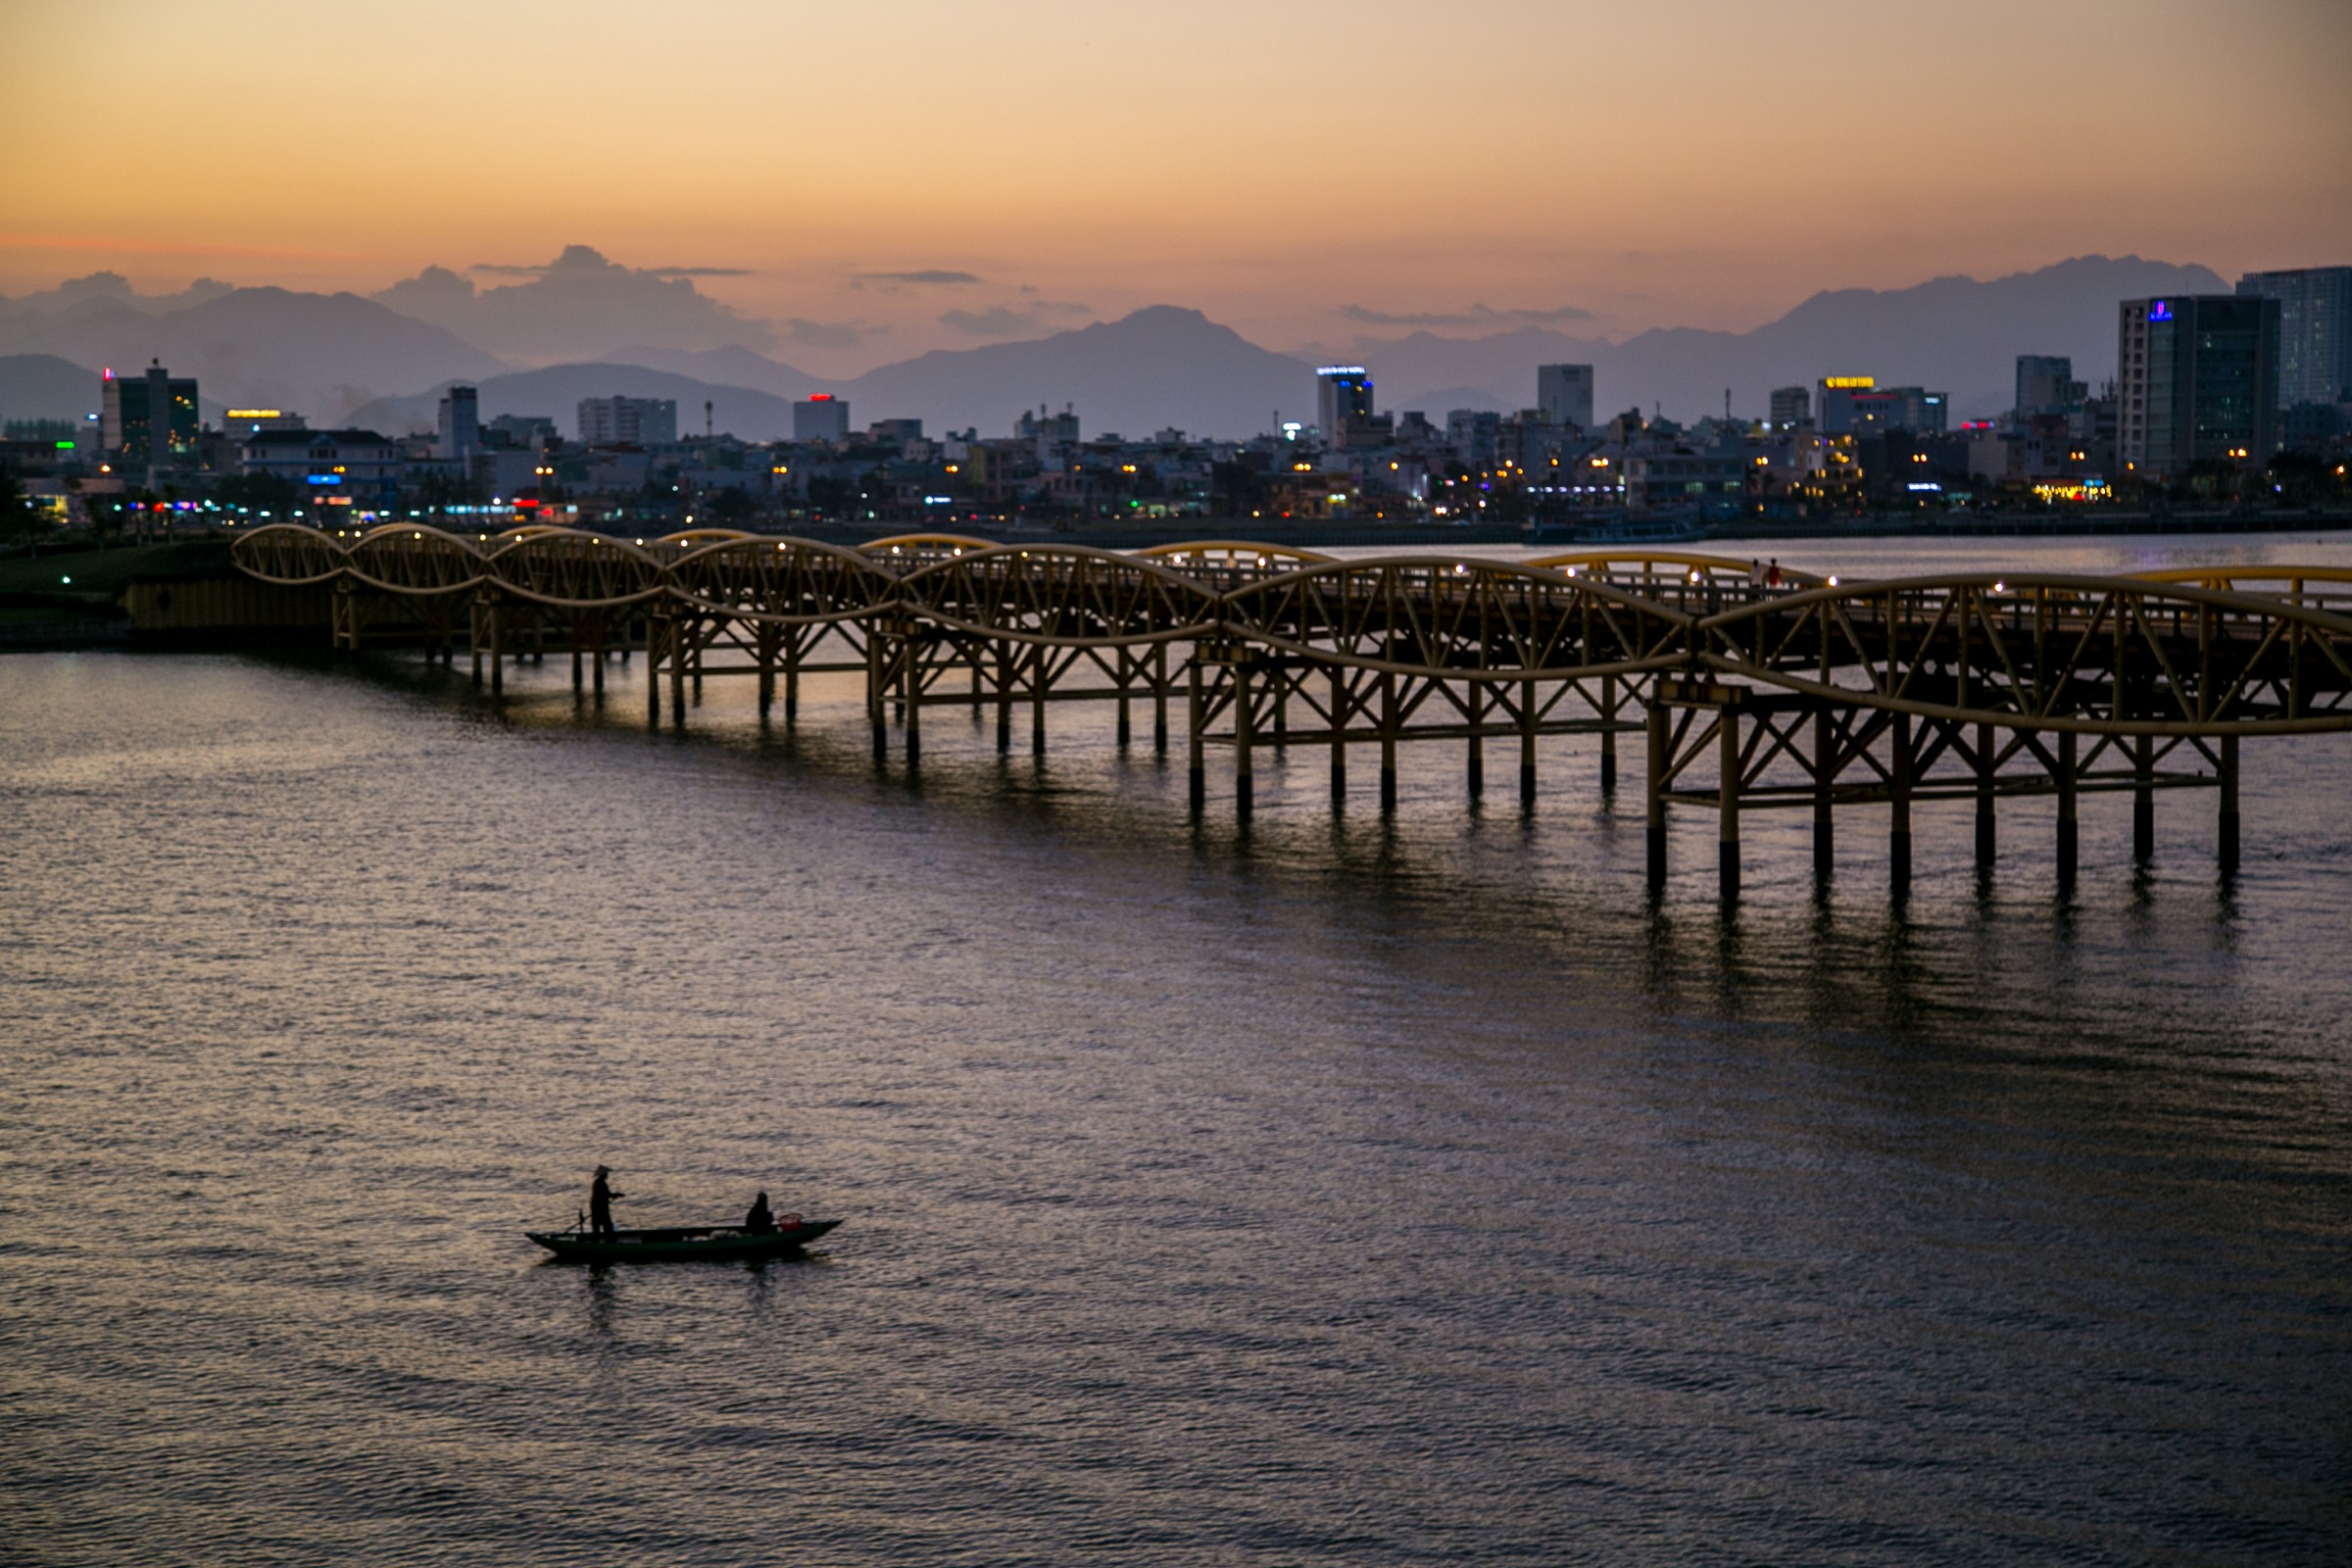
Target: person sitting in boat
(760, 1219)
(600, 1203)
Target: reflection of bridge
(1815, 693)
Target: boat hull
(685, 1245)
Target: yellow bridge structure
(1811, 693)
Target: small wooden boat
(681, 1244)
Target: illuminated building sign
(1338, 369)
(1850, 383)
(2160, 310)
(327, 479)
(820, 397)
(257, 413)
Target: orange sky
(1704, 164)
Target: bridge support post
(1658, 743)
(1245, 736)
(1986, 761)
(1160, 699)
(1199, 770)
(681, 634)
(2067, 834)
(597, 679)
(1825, 783)
(579, 663)
(1477, 761)
(652, 670)
(1608, 734)
(1339, 735)
(497, 648)
(764, 644)
(1527, 745)
(2227, 780)
(1727, 796)
(876, 710)
(792, 672)
(910, 694)
(1127, 663)
(474, 638)
(1040, 671)
(2144, 799)
(1004, 660)
(1388, 741)
(1899, 816)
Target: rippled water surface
(1350, 1192)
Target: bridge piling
(1899, 816)
(1199, 725)
(1726, 814)
(679, 633)
(1245, 733)
(1388, 741)
(1160, 699)
(1005, 656)
(1527, 745)
(1040, 672)
(1477, 761)
(910, 695)
(2144, 799)
(652, 670)
(2226, 768)
(1986, 761)
(1608, 737)
(1825, 782)
(1656, 803)
(2069, 836)
(1339, 735)
(1125, 672)
(876, 710)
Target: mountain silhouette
(1951, 334)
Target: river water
(1347, 1191)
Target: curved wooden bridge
(1813, 693)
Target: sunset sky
(1307, 172)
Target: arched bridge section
(1752, 694)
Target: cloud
(1004, 321)
(823, 334)
(930, 274)
(1475, 315)
(696, 271)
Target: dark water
(1356, 1192)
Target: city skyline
(1317, 185)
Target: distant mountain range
(1953, 334)
(340, 357)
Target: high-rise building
(2046, 385)
(1791, 406)
(2314, 331)
(135, 411)
(1856, 405)
(1475, 435)
(2197, 381)
(1564, 393)
(1343, 402)
(628, 422)
(461, 425)
(820, 416)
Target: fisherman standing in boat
(600, 1203)
(760, 1219)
